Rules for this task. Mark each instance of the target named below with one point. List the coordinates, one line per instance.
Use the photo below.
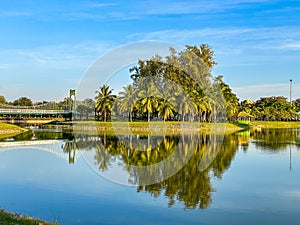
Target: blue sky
(46, 46)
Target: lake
(239, 178)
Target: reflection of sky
(42, 185)
(260, 182)
(258, 188)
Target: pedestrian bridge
(33, 112)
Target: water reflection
(209, 158)
(276, 139)
(199, 158)
(208, 154)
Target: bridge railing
(33, 111)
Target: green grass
(275, 124)
(7, 218)
(153, 128)
(8, 130)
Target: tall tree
(104, 101)
(166, 108)
(149, 95)
(231, 101)
(205, 53)
(186, 106)
(127, 100)
(297, 104)
(2, 100)
(22, 101)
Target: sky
(46, 47)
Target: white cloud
(255, 92)
(193, 7)
(100, 5)
(264, 35)
(291, 45)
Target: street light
(291, 83)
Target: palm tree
(104, 101)
(149, 98)
(186, 105)
(127, 99)
(166, 108)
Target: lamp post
(291, 84)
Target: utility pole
(291, 84)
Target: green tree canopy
(22, 101)
(104, 102)
(2, 100)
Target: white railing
(33, 111)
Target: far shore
(275, 124)
(145, 128)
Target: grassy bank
(153, 128)
(35, 121)
(7, 218)
(274, 124)
(7, 130)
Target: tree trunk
(130, 141)
(148, 116)
(130, 116)
(104, 115)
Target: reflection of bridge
(55, 147)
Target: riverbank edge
(274, 124)
(175, 127)
(152, 128)
(8, 130)
(16, 218)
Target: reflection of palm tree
(70, 147)
(189, 185)
(102, 157)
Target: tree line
(180, 87)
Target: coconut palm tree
(186, 105)
(149, 96)
(127, 100)
(166, 108)
(104, 101)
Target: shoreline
(8, 130)
(17, 218)
(152, 128)
(274, 124)
(145, 128)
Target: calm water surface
(241, 178)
